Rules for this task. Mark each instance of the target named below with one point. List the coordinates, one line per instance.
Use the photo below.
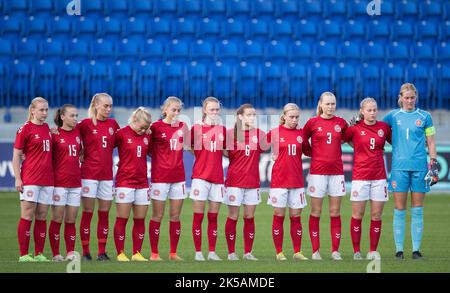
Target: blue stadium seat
(355, 31)
(374, 53)
(27, 51)
(165, 8)
(276, 52)
(347, 85)
(336, 10)
(16, 8)
(357, 10)
(247, 83)
(6, 51)
(257, 30)
(312, 10)
(298, 86)
(378, 31)
(10, 28)
(60, 29)
(94, 8)
(129, 51)
(443, 87)
(214, 9)
(4, 92)
(431, 11)
(85, 29)
(423, 54)
(306, 31)
(173, 80)
(135, 30)
(330, 31)
(372, 82)
(427, 32)
(287, 10)
(320, 80)
(110, 30)
(118, 8)
(301, 52)
(394, 77)
(35, 28)
(123, 84)
(233, 30)
(78, 51)
(198, 85)
(202, 52)
(208, 30)
(153, 52)
(272, 86)
(443, 54)
(262, 9)
(23, 86)
(141, 8)
(178, 51)
(53, 51)
(47, 82)
(190, 9)
(103, 51)
(325, 53)
(98, 78)
(222, 83)
(252, 52)
(444, 32)
(227, 52)
(281, 31)
(350, 53)
(148, 85)
(184, 29)
(238, 9)
(446, 8)
(40, 8)
(160, 29)
(407, 10)
(72, 77)
(422, 78)
(387, 12)
(398, 53)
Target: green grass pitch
(435, 245)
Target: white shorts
(38, 194)
(236, 196)
(294, 198)
(204, 190)
(375, 190)
(97, 189)
(139, 197)
(66, 196)
(162, 191)
(321, 185)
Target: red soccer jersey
(243, 171)
(98, 144)
(287, 171)
(208, 142)
(66, 158)
(133, 150)
(36, 143)
(368, 143)
(326, 139)
(167, 152)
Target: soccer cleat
(373, 255)
(58, 258)
(41, 258)
(281, 257)
(155, 257)
(71, 255)
(122, 257)
(299, 256)
(213, 256)
(233, 256)
(175, 257)
(138, 257)
(27, 258)
(417, 255)
(87, 257)
(336, 255)
(103, 257)
(199, 256)
(357, 256)
(399, 255)
(316, 256)
(249, 256)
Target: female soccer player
(368, 137)
(67, 148)
(412, 132)
(168, 178)
(287, 184)
(34, 179)
(132, 189)
(98, 135)
(326, 175)
(242, 182)
(208, 142)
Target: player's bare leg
(417, 200)
(139, 214)
(175, 227)
(358, 210)
(335, 226)
(70, 218)
(54, 232)
(400, 202)
(249, 231)
(314, 231)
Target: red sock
(375, 232)
(153, 232)
(355, 231)
(296, 233)
(335, 228)
(230, 234)
(39, 233)
(174, 233)
(197, 230)
(138, 234)
(102, 231)
(212, 231)
(23, 235)
(277, 233)
(314, 232)
(249, 234)
(85, 231)
(70, 233)
(120, 228)
(53, 235)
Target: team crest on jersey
(380, 133)
(232, 198)
(274, 200)
(255, 139)
(145, 141)
(418, 122)
(363, 133)
(121, 195)
(196, 192)
(180, 132)
(30, 193)
(111, 131)
(56, 197)
(156, 192)
(62, 140)
(312, 189)
(337, 128)
(355, 193)
(78, 140)
(299, 139)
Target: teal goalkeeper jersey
(409, 131)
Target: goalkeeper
(412, 132)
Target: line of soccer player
(72, 165)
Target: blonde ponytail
(92, 111)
